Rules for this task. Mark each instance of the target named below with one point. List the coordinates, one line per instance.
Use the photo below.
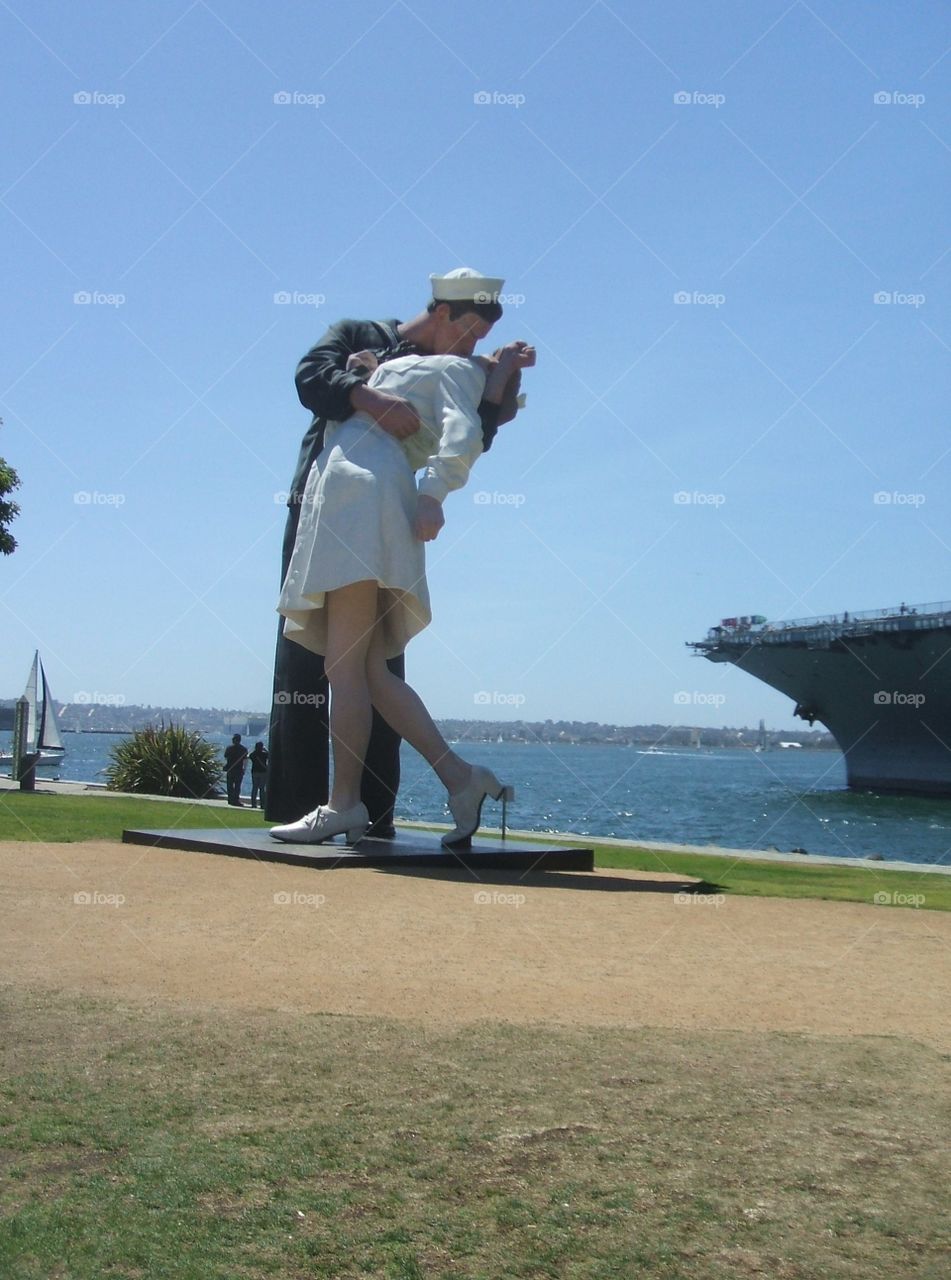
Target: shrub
(165, 762)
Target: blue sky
(724, 226)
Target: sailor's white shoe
(323, 824)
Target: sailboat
(42, 727)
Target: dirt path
(616, 947)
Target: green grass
(55, 818)
(137, 1141)
(749, 878)
(790, 880)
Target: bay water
(783, 799)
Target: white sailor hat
(466, 285)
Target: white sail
(30, 694)
(48, 735)
(42, 727)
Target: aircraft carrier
(880, 681)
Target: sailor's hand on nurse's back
(429, 518)
(362, 362)
(396, 416)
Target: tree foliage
(9, 480)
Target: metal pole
(24, 762)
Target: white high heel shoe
(466, 805)
(325, 823)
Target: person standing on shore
(463, 308)
(258, 760)
(235, 757)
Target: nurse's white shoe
(466, 805)
(325, 823)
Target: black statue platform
(410, 848)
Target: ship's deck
(820, 632)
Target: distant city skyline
(721, 226)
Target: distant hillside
(640, 735)
(104, 717)
(110, 717)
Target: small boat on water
(42, 727)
